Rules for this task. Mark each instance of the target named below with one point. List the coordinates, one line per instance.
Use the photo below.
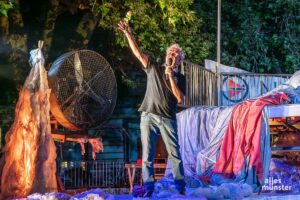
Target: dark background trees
(259, 36)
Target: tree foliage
(5, 6)
(156, 25)
(259, 36)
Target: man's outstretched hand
(124, 27)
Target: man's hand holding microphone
(169, 68)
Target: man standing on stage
(165, 87)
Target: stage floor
(275, 197)
(254, 197)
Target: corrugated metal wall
(237, 87)
(204, 87)
(201, 86)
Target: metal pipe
(219, 38)
(219, 52)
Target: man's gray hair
(177, 47)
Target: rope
(40, 44)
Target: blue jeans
(151, 126)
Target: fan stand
(63, 136)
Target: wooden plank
(285, 148)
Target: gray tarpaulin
(200, 131)
(202, 128)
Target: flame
(29, 152)
(21, 150)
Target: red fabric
(96, 143)
(242, 137)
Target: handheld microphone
(168, 63)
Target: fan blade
(78, 70)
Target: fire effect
(20, 150)
(28, 162)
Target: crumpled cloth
(138, 191)
(243, 136)
(200, 133)
(36, 56)
(27, 162)
(96, 143)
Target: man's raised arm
(124, 27)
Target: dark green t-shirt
(159, 98)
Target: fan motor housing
(83, 90)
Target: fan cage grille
(85, 88)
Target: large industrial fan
(84, 90)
